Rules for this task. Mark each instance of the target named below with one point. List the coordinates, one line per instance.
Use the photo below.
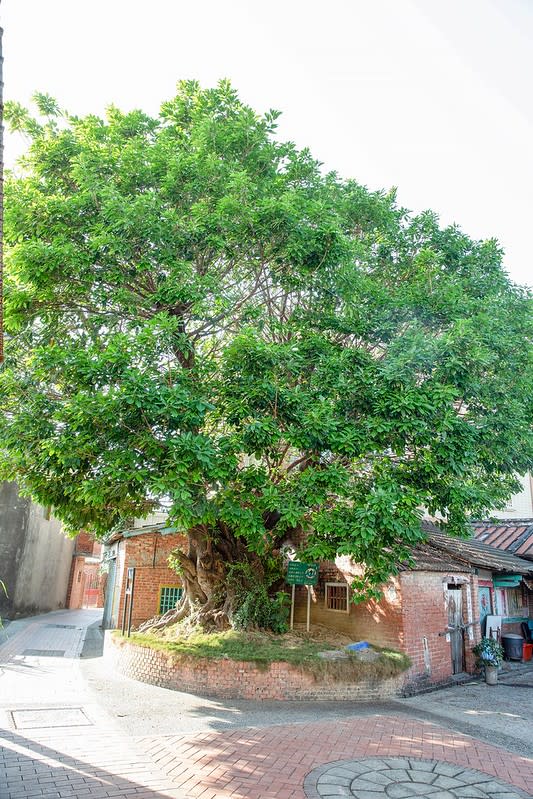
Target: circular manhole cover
(404, 778)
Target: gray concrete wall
(35, 556)
(14, 513)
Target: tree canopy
(200, 318)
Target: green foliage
(175, 564)
(199, 318)
(253, 606)
(488, 652)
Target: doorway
(454, 602)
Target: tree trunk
(203, 570)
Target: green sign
(508, 581)
(302, 573)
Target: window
(509, 601)
(514, 601)
(168, 597)
(337, 597)
(501, 601)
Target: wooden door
(454, 601)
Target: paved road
(500, 715)
(75, 730)
(56, 741)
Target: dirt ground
(318, 634)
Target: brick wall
(84, 574)
(377, 622)
(426, 619)
(410, 617)
(83, 578)
(75, 584)
(86, 545)
(148, 553)
(230, 679)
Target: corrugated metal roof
(514, 536)
(162, 529)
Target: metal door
(90, 589)
(454, 601)
(108, 622)
(485, 605)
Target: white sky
(431, 96)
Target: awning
(509, 581)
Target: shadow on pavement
(93, 644)
(28, 769)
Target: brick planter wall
(230, 679)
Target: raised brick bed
(231, 679)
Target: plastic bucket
(512, 646)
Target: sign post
(128, 595)
(299, 573)
(292, 604)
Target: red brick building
(86, 582)
(156, 587)
(430, 610)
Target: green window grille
(168, 597)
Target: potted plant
(489, 655)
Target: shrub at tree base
(200, 319)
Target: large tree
(201, 319)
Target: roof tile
(476, 553)
(515, 536)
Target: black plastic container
(512, 646)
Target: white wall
(153, 518)
(520, 506)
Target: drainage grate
(49, 717)
(61, 626)
(44, 653)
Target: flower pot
(491, 675)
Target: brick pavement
(272, 762)
(77, 752)
(95, 759)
